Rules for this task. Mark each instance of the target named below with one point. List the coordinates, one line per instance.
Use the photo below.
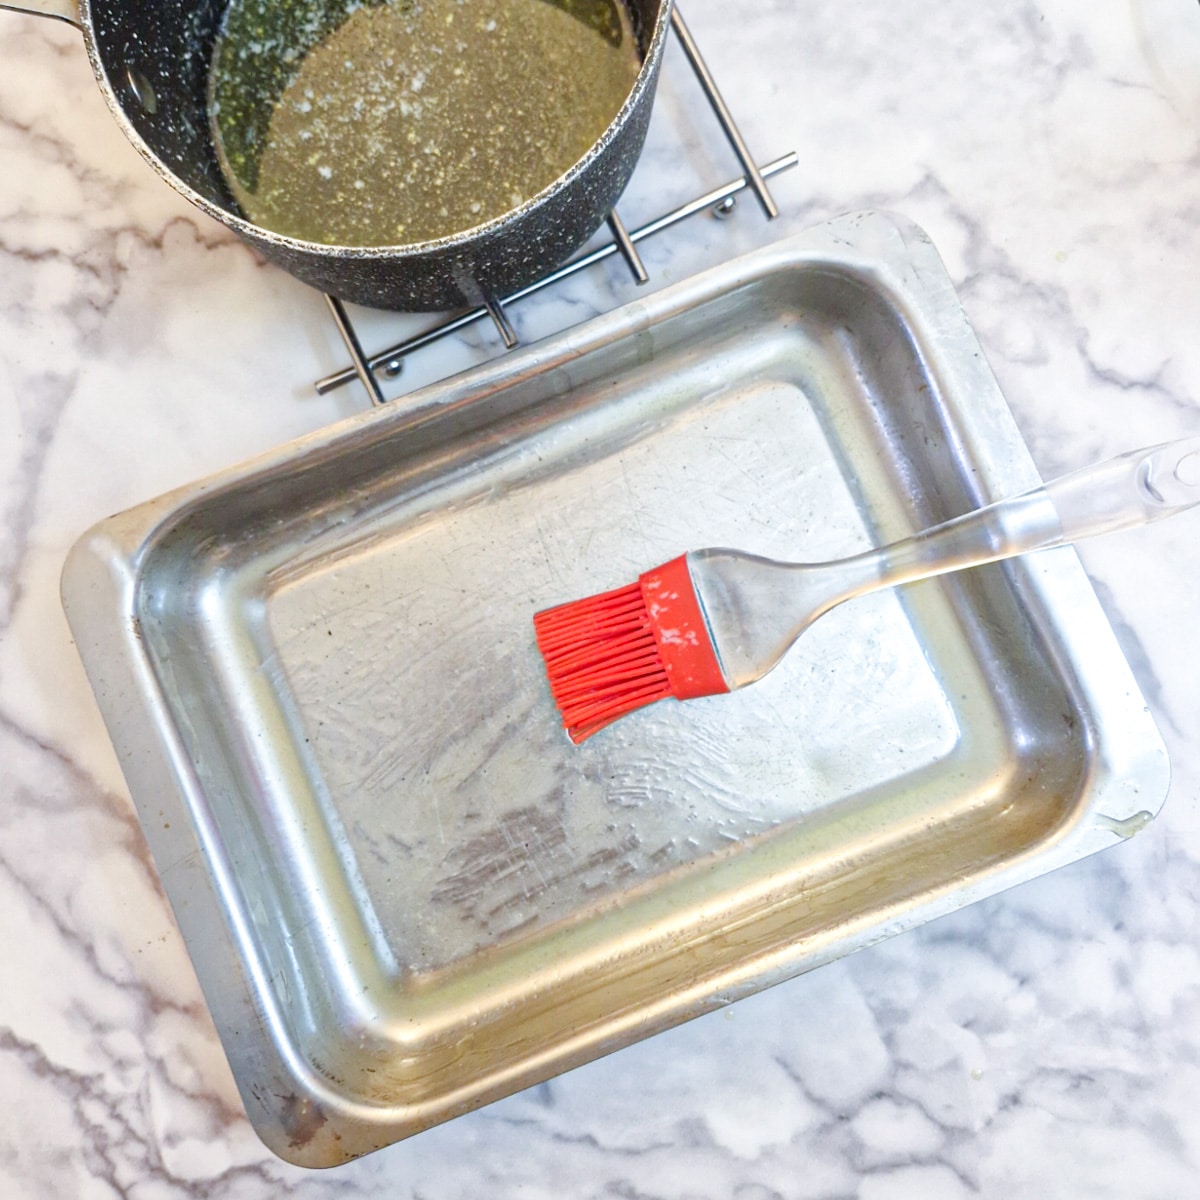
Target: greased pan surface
(405, 892)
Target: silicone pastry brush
(716, 620)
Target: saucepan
(151, 59)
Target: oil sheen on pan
(386, 122)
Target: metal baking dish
(405, 892)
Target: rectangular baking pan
(405, 892)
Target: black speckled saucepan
(151, 59)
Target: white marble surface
(1043, 1043)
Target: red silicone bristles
(612, 653)
(602, 659)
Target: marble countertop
(1044, 1042)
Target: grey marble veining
(1046, 1042)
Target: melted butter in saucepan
(380, 122)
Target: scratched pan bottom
(406, 893)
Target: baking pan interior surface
(405, 891)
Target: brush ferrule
(681, 632)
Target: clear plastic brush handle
(1135, 489)
(755, 608)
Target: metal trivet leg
(362, 368)
(720, 202)
(624, 243)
